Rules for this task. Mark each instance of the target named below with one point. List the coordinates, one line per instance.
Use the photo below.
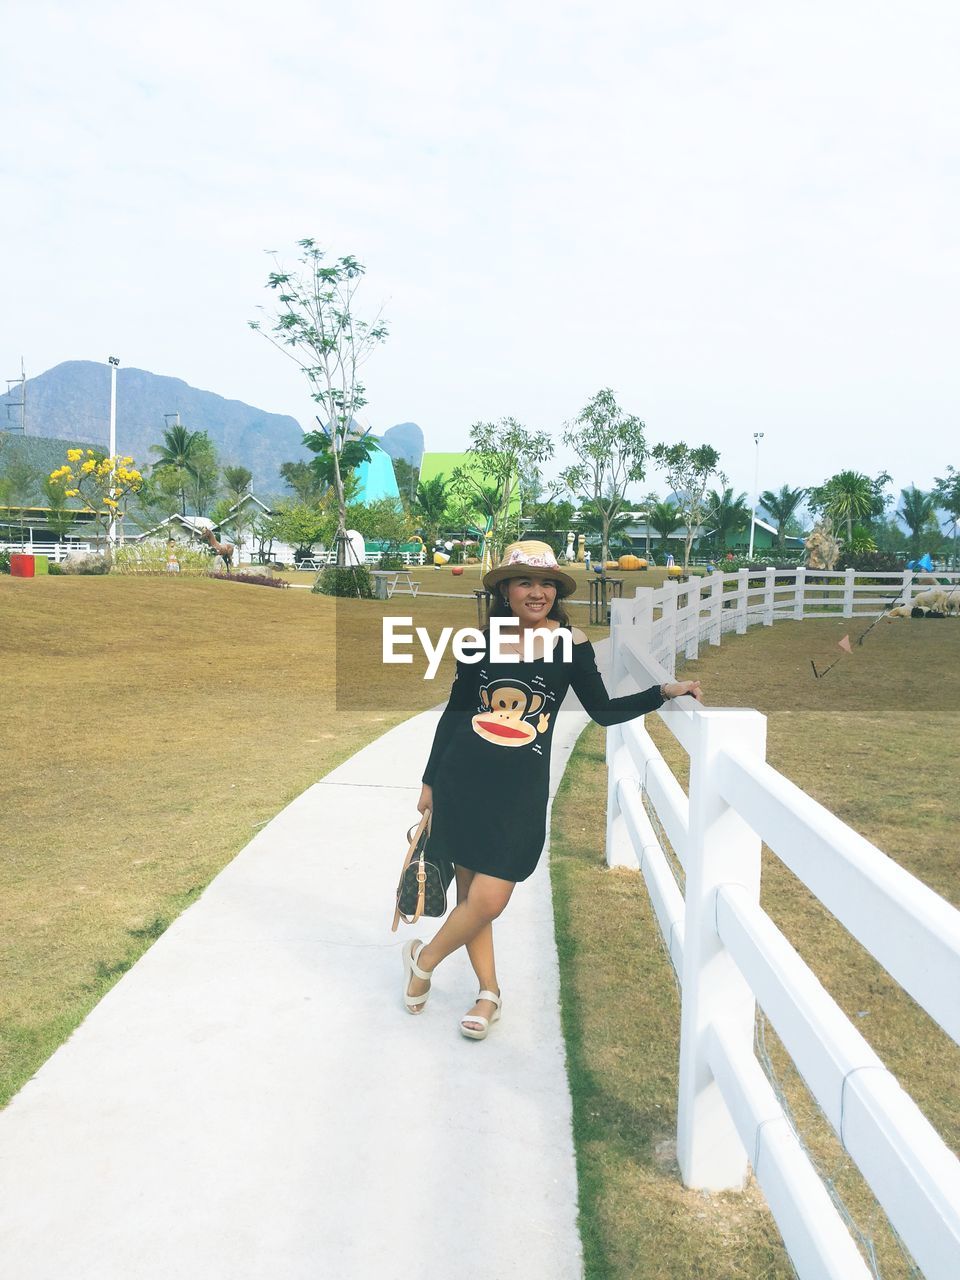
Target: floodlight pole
(113, 362)
(757, 437)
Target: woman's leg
(486, 898)
(480, 951)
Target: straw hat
(524, 559)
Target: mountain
(71, 402)
(405, 440)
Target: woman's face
(531, 599)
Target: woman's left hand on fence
(678, 688)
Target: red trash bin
(21, 566)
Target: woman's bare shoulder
(579, 637)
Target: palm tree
(781, 506)
(180, 453)
(917, 510)
(431, 504)
(663, 518)
(847, 496)
(727, 514)
(595, 518)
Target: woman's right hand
(426, 799)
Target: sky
(742, 218)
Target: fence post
(768, 586)
(721, 849)
(799, 588)
(642, 614)
(693, 619)
(619, 848)
(716, 606)
(907, 585)
(743, 584)
(668, 630)
(848, 575)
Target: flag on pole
(844, 644)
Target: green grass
(875, 742)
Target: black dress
(490, 763)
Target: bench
(390, 582)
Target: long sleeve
(587, 684)
(461, 699)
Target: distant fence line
(729, 955)
(685, 615)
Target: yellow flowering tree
(104, 485)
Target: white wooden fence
(55, 551)
(729, 955)
(688, 614)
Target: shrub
(150, 557)
(255, 579)
(872, 561)
(54, 569)
(4, 561)
(393, 562)
(336, 580)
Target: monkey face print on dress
(506, 704)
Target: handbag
(422, 890)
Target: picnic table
(312, 562)
(390, 582)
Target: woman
(487, 778)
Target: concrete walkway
(251, 1100)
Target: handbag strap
(408, 857)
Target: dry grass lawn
(876, 742)
(148, 728)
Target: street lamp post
(114, 361)
(757, 437)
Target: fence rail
(55, 551)
(729, 955)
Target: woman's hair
(500, 608)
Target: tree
(303, 480)
(383, 520)
(502, 450)
(688, 473)
(663, 518)
(60, 515)
(728, 515)
(18, 484)
(850, 497)
(918, 512)
(316, 327)
(158, 497)
(430, 504)
(231, 514)
(105, 484)
(237, 481)
(182, 454)
(551, 520)
(595, 518)
(206, 469)
(300, 524)
(612, 451)
(781, 506)
(947, 492)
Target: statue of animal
(223, 549)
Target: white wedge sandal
(475, 1033)
(414, 1004)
